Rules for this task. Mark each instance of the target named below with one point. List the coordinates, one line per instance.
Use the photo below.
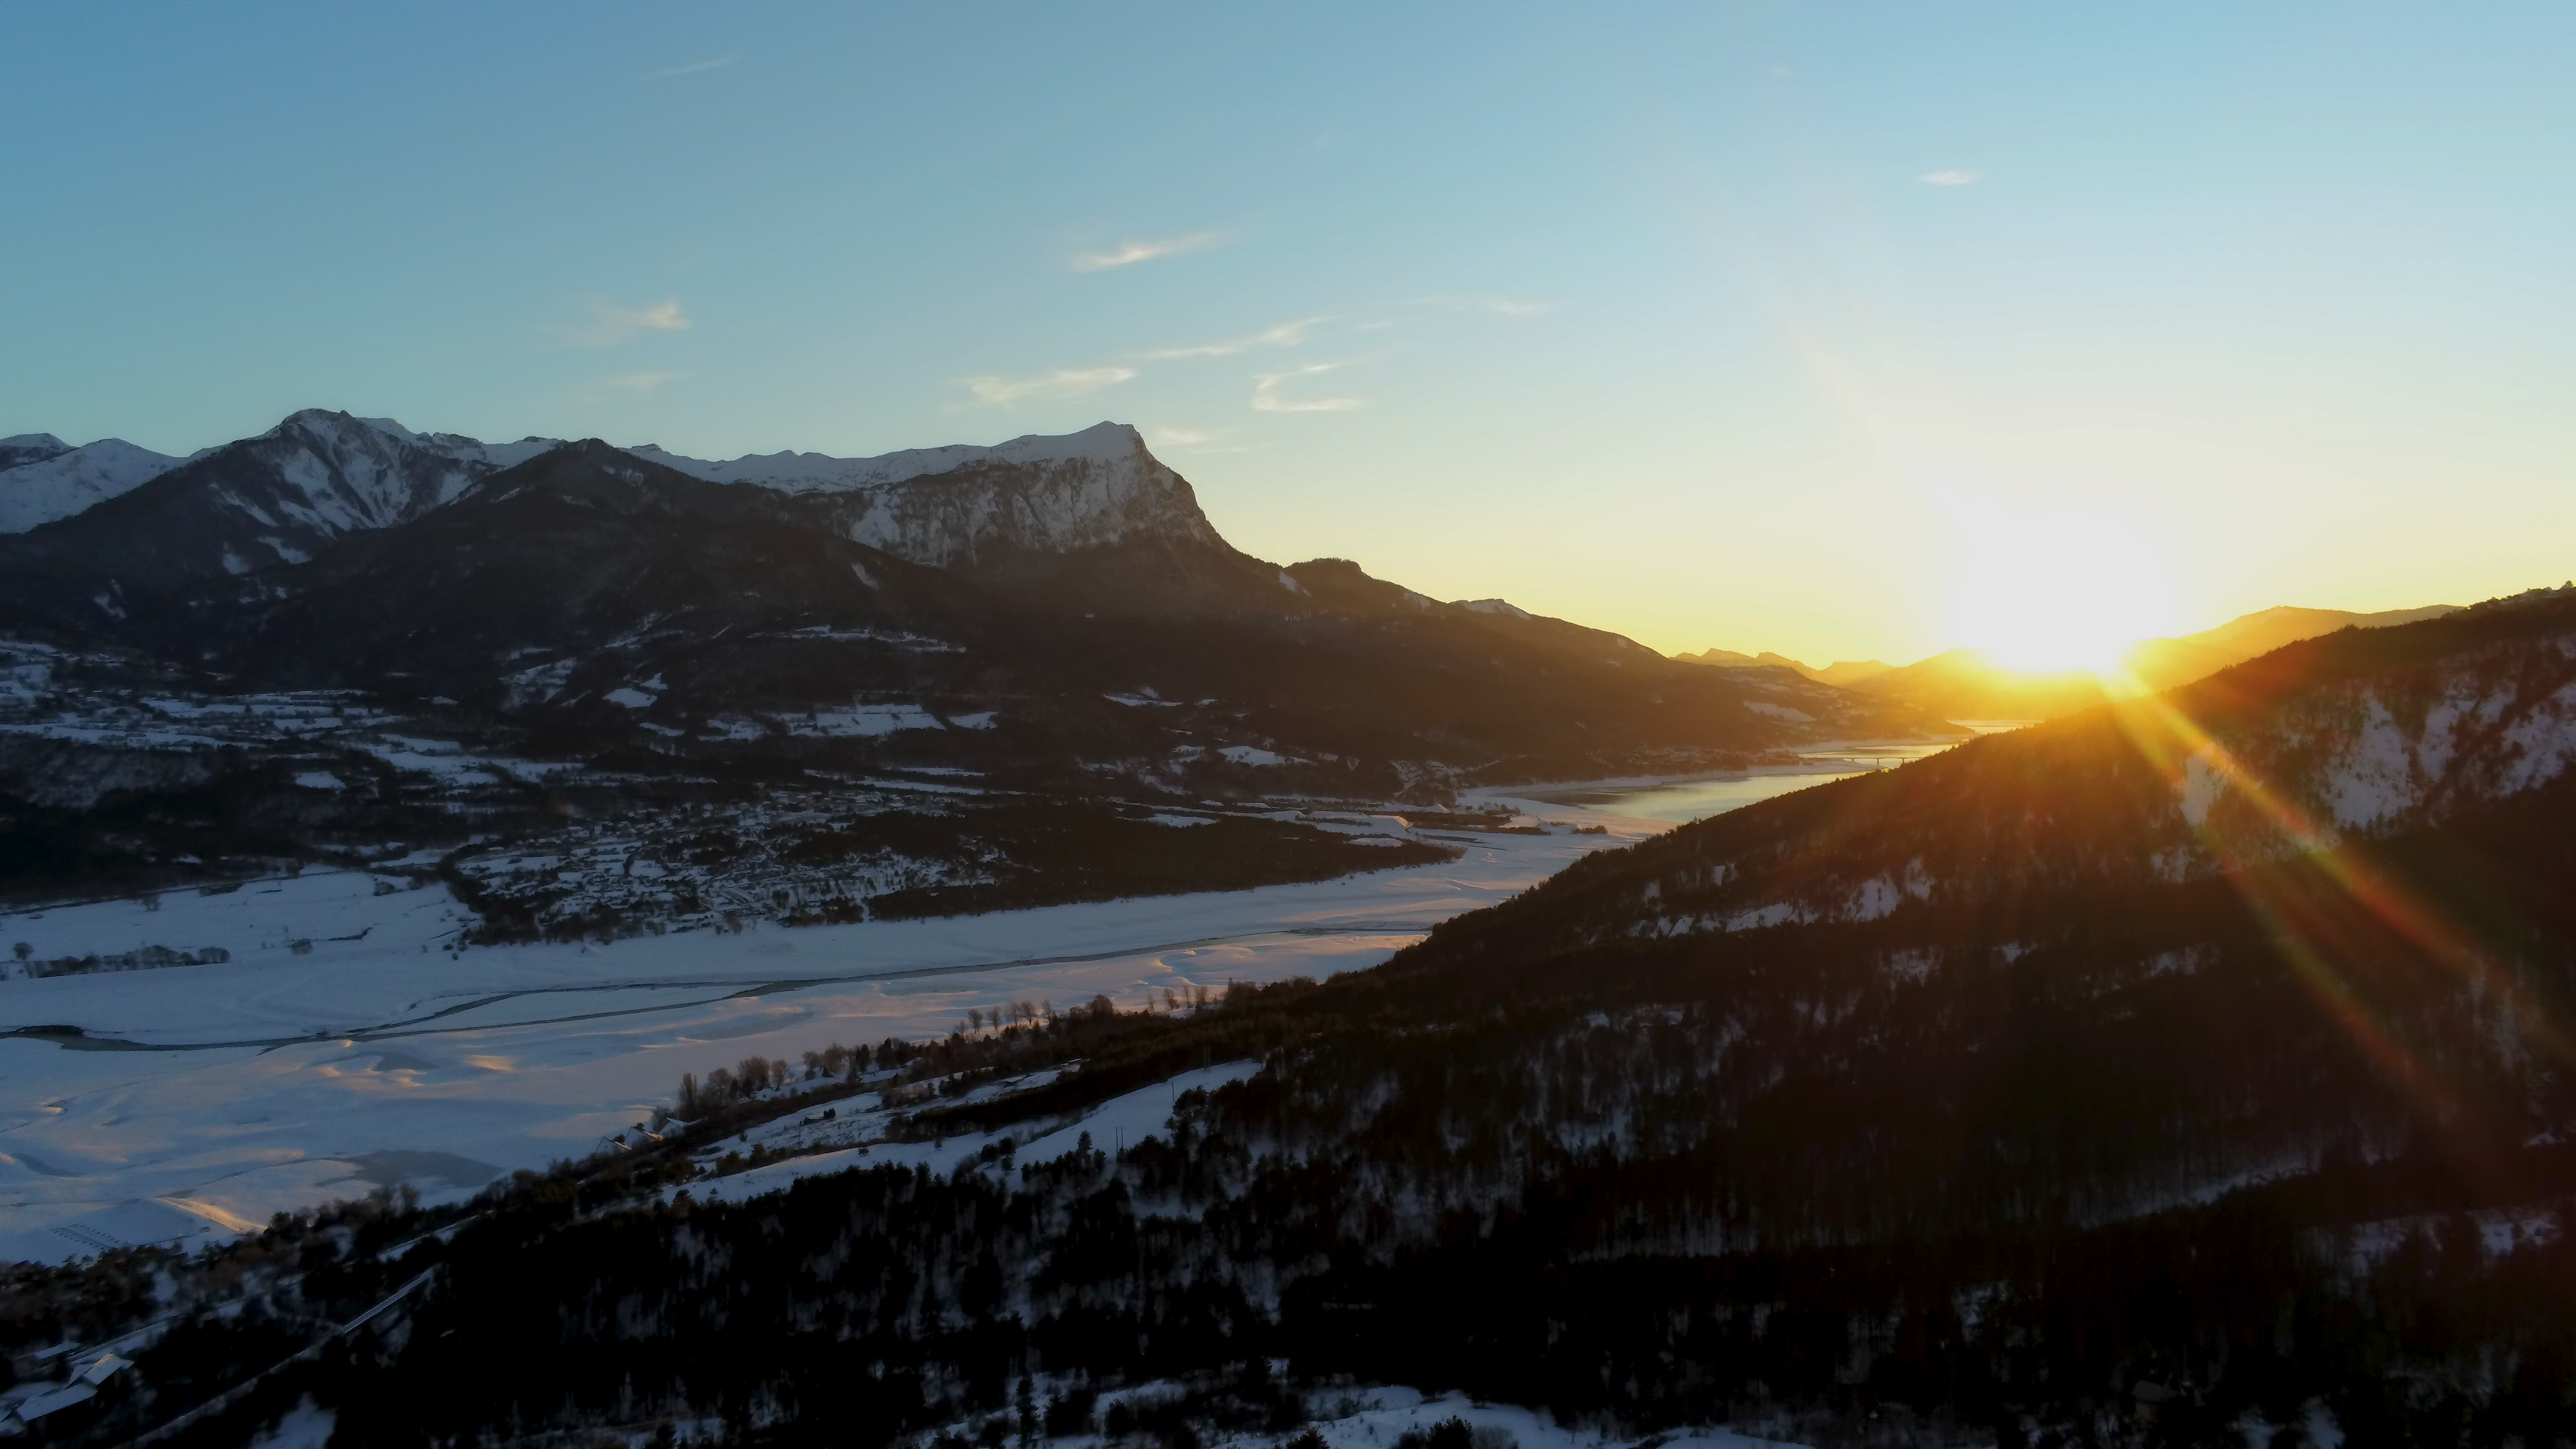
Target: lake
(1685, 800)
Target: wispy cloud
(1498, 306)
(608, 326)
(1064, 382)
(1128, 254)
(1950, 177)
(1198, 442)
(645, 383)
(713, 62)
(1286, 334)
(1266, 398)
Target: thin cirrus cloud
(1951, 176)
(1062, 383)
(1286, 334)
(1128, 254)
(1266, 396)
(607, 325)
(695, 67)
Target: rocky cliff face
(954, 507)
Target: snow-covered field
(1359, 1417)
(343, 1047)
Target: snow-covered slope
(953, 505)
(2369, 752)
(321, 474)
(30, 447)
(64, 481)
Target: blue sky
(1794, 326)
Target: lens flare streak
(2317, 942)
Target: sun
(2060, 586)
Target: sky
(1845, 330)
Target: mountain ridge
(1967, 683)
(177, 663)
(39, 484)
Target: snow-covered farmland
(343, 1045)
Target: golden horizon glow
(2058, 586)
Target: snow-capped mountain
(30, 447)
(42, 479)
(109, 524)
(469, 451)
(1046, 583)
(321, 475)
(946, 506)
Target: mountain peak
(30, 448)
(1042, 492)
(46, 486)
(316, 419)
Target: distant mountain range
(1966, 684)
(1842, 673)
(1052, 614)
(537, 578)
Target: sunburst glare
(2061, 585)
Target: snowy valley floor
(343, 1048)
(1359, 1417)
